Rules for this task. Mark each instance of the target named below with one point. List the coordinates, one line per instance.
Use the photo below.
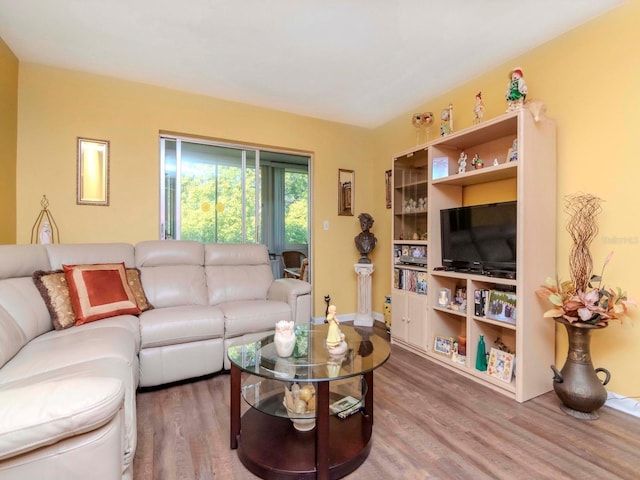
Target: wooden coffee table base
(272, 449)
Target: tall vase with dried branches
(581, 307)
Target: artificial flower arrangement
(580, 299)
(595, 305)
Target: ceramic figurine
(516, 91)
(477, 162)
(478, 109)
(335, 338)
(495, 162)
(45, 233)
(462, 163)
(512, 154)
(285, 337)
(446, 126)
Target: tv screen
(480, 237)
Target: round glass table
(268, 442)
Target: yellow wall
(56, 106)
(589, 80)
(8, 137)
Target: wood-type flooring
(430, 423)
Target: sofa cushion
(174, 325)
(12, 337)
(99, 291)
(85, 253)
(22, 260)
(253, 316)
(135, 283)
(56, 351)
(237, 272)
(22, 301)
(45, 413)
(172, 286)
(53, 287)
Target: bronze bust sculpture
(365, 240)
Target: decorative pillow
(99, 291)
(55, 292)
(133, 278)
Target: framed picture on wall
(387, 185)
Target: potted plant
(582, 304)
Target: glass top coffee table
(329, 442)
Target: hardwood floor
(429, 423)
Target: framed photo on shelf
(501, 365)
(501, 306)
(443, 345)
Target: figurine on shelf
(335, 338)
(477, 162)
(495, 162)
(516, 91)
(446, 126)
(462, 163)
(512, 154)
(478, 109)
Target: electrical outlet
(326, 224)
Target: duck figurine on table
(335, 338)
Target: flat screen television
(480, 238)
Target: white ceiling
(360, 62)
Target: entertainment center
(488, 236)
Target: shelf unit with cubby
(410, 246)
(530, 180)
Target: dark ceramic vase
(577, 385)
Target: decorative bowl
(303, 422)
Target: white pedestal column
(364, 317)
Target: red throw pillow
(99, 291)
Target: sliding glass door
(211, 193)
(218, 193)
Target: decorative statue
(477, 162)
(45, 233)
(516, 91)
(446, 126)
(365, 240)
(462, 163)
(478, 109)
(335, 338)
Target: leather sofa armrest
(289, 290)
(45, 413)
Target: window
(219, 193)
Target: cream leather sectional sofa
(67, 397)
